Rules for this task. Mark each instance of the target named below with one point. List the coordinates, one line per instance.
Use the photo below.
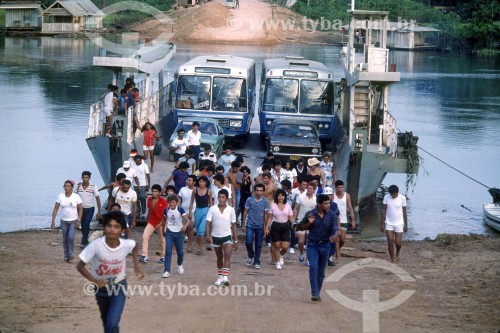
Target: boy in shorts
(394, 220)
(221, 232)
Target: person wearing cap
(394, 220)
(142, 172)
(133, 153)
(194, 138)
(334, 247)
(343, 201)
(71, 216)
(130, 173)
(328, 169)
(316, 174)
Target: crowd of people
(289, 206)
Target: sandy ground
(455, 281)
(255, 22)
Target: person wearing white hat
(316, 174)
(129, 172)
(334, 208)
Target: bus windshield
(281, 95)
(316, 97)
(193, 92)
(229, 94)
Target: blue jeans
(88, 214)
(173, 239)
(237, 197)
(293, 239)
(251, 234)
(333, 248)
(128, 220)
(196, 151)
(317, 255)
(68, 233)
(141, 199)
(111, 304)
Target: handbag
(158, 148)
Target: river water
(452, 103)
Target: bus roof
(295, 63)
(219, 61)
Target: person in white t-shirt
(176, 222)
(71, 216)
(109, 103)
(305, 202)
(185, 194)
(88, 192)
(107, 255)
(394, 220)
(127, 199)
(194, 137)
(180, 145)
(129, 172)
(142, 172)
(221, 232)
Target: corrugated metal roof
(21, 6)
(395, 26)
(79, 7)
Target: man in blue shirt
(254, 215)
(322, 224)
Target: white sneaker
(225, 280)
(249, 261)
(291, 250)
(282, 261)
(256, 266)
(180, 269)
(166, 275)
(278, 265)
(219, 281)
(185, 239)
(268, 244)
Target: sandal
(190, 250)
(199, 252)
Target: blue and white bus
(221, 87)
(296, 88)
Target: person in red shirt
(148, 145)
(156, 204)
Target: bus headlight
(235, 123)
(315, 150)
(269, 122)
(276, 148)
(327, 125)
(320, 125)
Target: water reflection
(451, 103)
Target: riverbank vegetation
(468, 25)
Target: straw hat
(313, 161)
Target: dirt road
(255, 22)
(456, 290)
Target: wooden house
(22, 16)
(70, 16)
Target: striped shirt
(87, 195)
